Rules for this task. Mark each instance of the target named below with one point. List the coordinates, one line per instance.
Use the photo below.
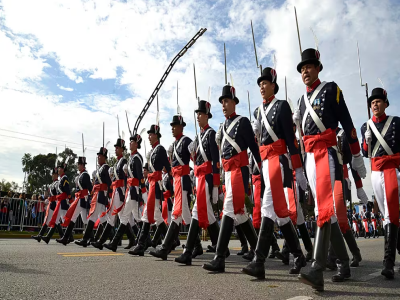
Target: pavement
(32, 270)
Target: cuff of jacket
(167, 195)
(355, 148)
(296, 161)
(216, 179)
(144, 190)
(359, 184)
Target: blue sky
(67, 67)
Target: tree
(6, 186)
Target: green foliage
(6, 186)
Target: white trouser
(79, 211)
(267, 207)
(49, 216)
(157, 211)
(100, 208)
(185, 215)
(311, 172)
(299, 210)
(228, 203)
(115, 204)
(355, 227)
(378, 185)
(210, 212)
(130, 212)
(61, 215)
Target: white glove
(368, 136)
(362, 195)
(221, 196)
(358, 165)
(170, 150)
(125, 168)
(218, 137)
(111, 171)
(348, 183)
(301, 179)
(296, 116)
(215, 195)
(191, 148)
(256, 127)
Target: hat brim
(309, 61)
(158, 134)
(269, 79)
(120, 146)
(99, 153)
(373, 97)
(204, 112)
(177, 123)
(226, 97)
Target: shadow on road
(13, 269)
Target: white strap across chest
(176, 145)
(150, 163)
(79, 180)
(132, 158)
(58, 187)
(200, 147)
(228, 138)
(271, 132)
(310, 110)
(380, 140)
(98, 175)
(163, 181)
(255, 166)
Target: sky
(69, 66)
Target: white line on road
(300, 298)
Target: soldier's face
(176, 130)
(54, 176)
(133, 146)
(378, 107)
(202, 119)
(266, 89)
(153, 138)
(309, 74)
(228, 107)
(101, 159)
(145, 172)
(119, 151)
(60, 171)
(81, 167)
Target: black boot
(176, 242)
(40, 234)
(249, 255)
(111, 234)
(84, 242)
(283, 255)
(391, 232)
(218, 263)
(91, 236)
(243, 241)
(167, 243)
(213, 231)
(292, 240)
(274, 247)
(339, 247)
(198, 248)
(186, 257)
(60, 230)
(99, 231)
(65, 239)
(141, 244)
(161, 230)
(256, 268)
(315, 276)
(352, 244)
(306, 240)
(250, 233)
(130, 233)
(117, 237)
(104, 237)
(49, 235)
(331, 260)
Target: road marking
(79, 253)
(92, 255)
(300, 298)
(369, 276)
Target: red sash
(164, 209)
(71, 209)
(257, 201)
(319, 144)
(365, 221)
(272, 152)
(96, 190)
(130, 182)
(233, 165)
(374, 222)
(355, 222)
(59, 198)
(340, 205)
(200, 172)
(152, 178)
(51, 199)
(177, 173)
(388, 165)
(116, 184)
(292, 205)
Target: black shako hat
(120, 143)
(177, 120)
(204, 107)
(146, 166)
(137, 138)
(81, 160)
(155, 129)
(229, 92)
(54, 171)
(270, 75)
(310, 56)
(103, 151)
(378, 93)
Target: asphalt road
(31, 270)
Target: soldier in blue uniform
(381, 139)
(180, 158)
(157, 160)
(80, 205)
(50, 207)
(205, 154)
(319, 111)
(234, 137)
(99, 201)
(273, 125)
(63, 194)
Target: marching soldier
(383, 138)
(152, 212)
(99, 200)
(365, 215)
(356, 228)
(63, 193)
(273, 123)
(79, 206)
(118, 195)
(50, 207)
(319, 111)
(205, 155)
(180, 158)
(375, 224)
(135, 187)
(233, 138)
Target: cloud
(67, 89)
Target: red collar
(119, 157)
(61, 176)
(133, 153)
(156, 144)
(83, 171)
(178, 137)
(54, 180)
(205, 128)
(232, 115)
(269, 99)
(313, 86)
(380, 119)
